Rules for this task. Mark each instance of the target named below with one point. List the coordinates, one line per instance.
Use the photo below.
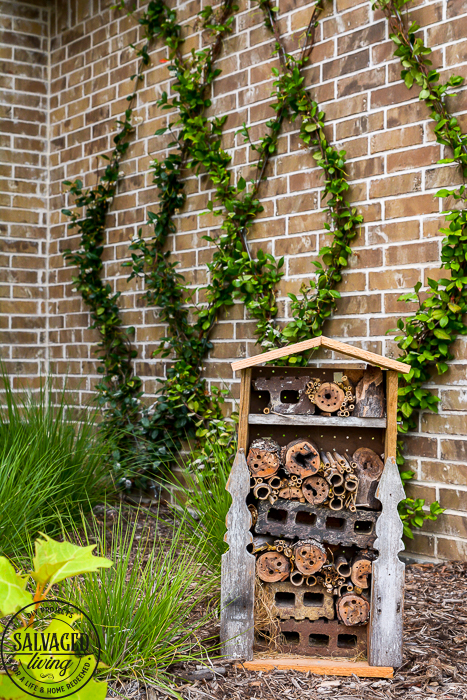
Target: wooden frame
(385, 626)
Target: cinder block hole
(290, 396)
(335, 523)
(277, 515)
(346, 641)
(318, 640)
(313, 599)
(363, 526)
(291, 637)
(284, 599)
(305, 518)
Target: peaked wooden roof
(371, 357)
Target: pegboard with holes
(312, 445)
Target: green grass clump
(52, 466)
(204, 501)
(150, 606)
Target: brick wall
(24, 50)
(392, 166)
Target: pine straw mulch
(435, 655)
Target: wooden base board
(323, 667)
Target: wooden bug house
(312, 572)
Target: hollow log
(360, 571)
(343, 567)
(369, 468)
(315, 489)
(352, 609)
(262, 491)
(272, 566)
(264, 458)
(301, 458)
(369, 395)
(310, 556)
(296, 578)
(329, 397)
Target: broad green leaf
(9, 691)
(55, 561)
(13, 595)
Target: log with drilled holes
(301, 457)
(263, 458)
(361, 570)
(368, 469)
(315, 489)
(272, 566)
(329, 397)
(352, 609)
(310, 556)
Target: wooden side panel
(388, 573)
(238, 569)
(244, 410)
(390, 443)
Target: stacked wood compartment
(324, 627)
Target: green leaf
(441, 334)
(13, 595)
(8, 690)
(55, 561)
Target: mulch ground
(435, 655)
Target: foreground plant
(51, 464)
(202, 496)
(53, 563)
(149, 609)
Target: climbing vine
(184, 406)
(427, 335)
(119, 388)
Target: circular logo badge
(50, 649)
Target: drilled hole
(284, 600)
(291, 637)
(305, 518)
(279, 516)
(318, 640)
(346, 641)
(313, 600)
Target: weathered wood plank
(238, 569)
(244, 409)
(349, 350)
(350, 422)
(322, 667)
(390, 441)
(388, 573)
(369, 394)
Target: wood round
(302, 458)
(262, 463)
(315, 489)
(272, 567)
(353, 610)
(329, 397)
(309, 557)
(369, 464)
(361, 570)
